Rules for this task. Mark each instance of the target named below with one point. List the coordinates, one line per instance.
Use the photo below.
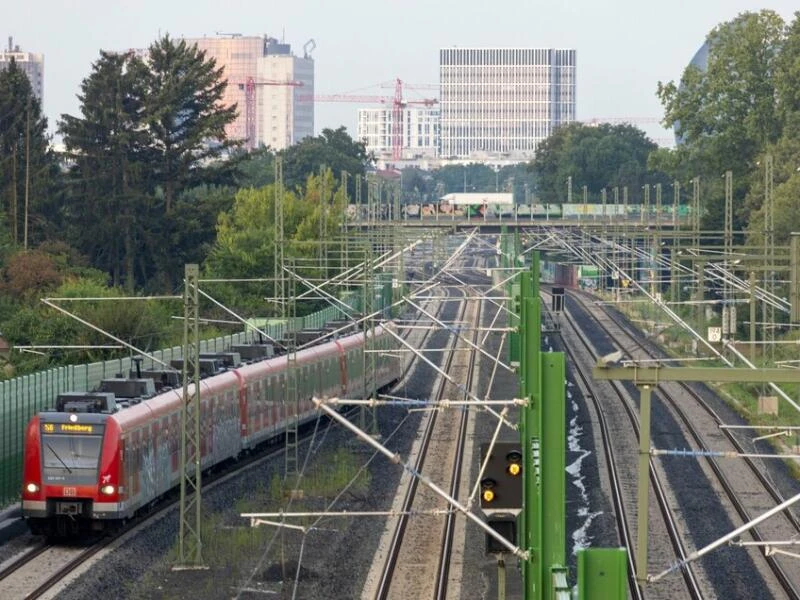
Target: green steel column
(643, 485)
(602, 574)
(532, 571)
(752, 316)
(552, 418)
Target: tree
(26, 164)
(149, 132)
(745, 105)
(185, 116)
(109, 207)
(728, 112)
(334, 149)
(597, 157)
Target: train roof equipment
(128, 390)
(249, 352)
(229, 360)
(86, 402)
(208, 366)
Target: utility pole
(190, 545)
(14, 195)
(27, 171)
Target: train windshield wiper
(59, 458)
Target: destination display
(85, 429)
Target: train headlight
(108, 490)
(32, 488)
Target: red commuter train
(90, 464)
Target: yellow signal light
(514, 469)
(488, 495)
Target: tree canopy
(743, 106)
(26, 162)
(604, 156)
(149, 131)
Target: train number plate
(68, 508)
(70, 492)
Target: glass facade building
(501, 102)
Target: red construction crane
(249, 87)
(397, 102)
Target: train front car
(71, 468)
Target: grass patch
(741, 397)
(231, 547)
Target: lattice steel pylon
(280, 290)
(368, 416)
(190, 545)
(292, 396)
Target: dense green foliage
(148, 183)
(148, 131)
(25, 162)
(604, 156)
(744, 106)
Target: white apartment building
(419, 131)
(28, 62)
(284, 96)
(499, 103)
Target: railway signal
(501, 491)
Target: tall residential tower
(32, 64)
(266, 82)
(501, 102)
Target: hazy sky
(623, 48)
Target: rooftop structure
(32, 64)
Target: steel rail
(780, 573)
(690, 579)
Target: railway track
(620, 460)
(740, 494)
(408, 570)
(743, 482)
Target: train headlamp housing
(107, 490)
(32, 488)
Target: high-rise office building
(418, 131)
(501, 102)
(286, 110)
(264, 79)
(32, 64)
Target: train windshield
(71, 458)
